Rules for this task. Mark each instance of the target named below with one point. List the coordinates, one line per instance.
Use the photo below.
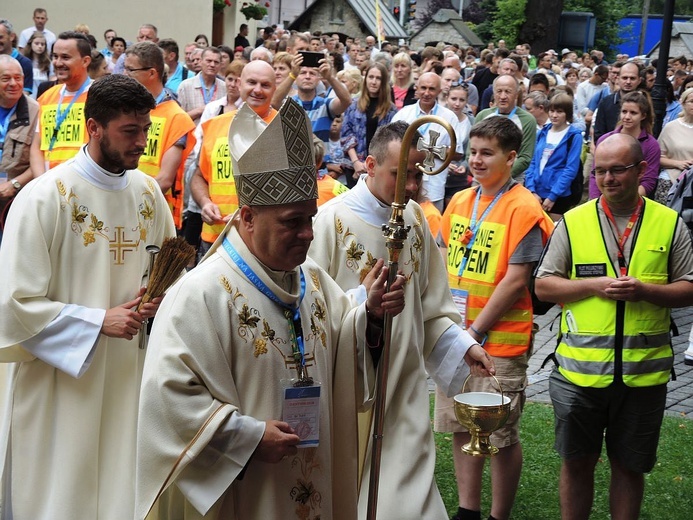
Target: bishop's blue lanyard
(4, 127)
(473, 228)
(61, 116)
(293, 313)
(208, 93)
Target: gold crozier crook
(395, 233)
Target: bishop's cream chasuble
(218, 353)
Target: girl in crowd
(571, 78)
(98, 66)
(458, 171)
(556, 159)
(118, 44)
(37, 52)
(637, 119)
(201, 39)
(373, 108)
(403, 90)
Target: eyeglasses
(130, 70)
(614, 170)
(459, 83)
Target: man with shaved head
(428, 88)
(212, 185)
(614, 357)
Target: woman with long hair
(403, 91)
(372, 109)
(637, 119)
(37, 52)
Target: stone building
(681, 41)
(354, 18)
(445, 26)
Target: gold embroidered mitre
(273, 163)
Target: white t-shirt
(552, 140)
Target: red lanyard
(622, 237)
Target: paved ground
(679, 398)
(680, 395)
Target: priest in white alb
(73, 260)
(258, 361)
(426, 336)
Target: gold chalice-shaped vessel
(481, 413)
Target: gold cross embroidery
(119, 246)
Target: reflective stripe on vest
(591, 348)
(72, 133)
(516, 213)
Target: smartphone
(311, 59)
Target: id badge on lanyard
(301, 410)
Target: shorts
(512, 375)
(632, 418)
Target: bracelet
(484, 337)
(291, 75)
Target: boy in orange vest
(494, 235)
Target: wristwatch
(17, 185)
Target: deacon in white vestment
(73, 258)
(426, 336)
(258, 360)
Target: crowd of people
(254, 396)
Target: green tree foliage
(608, 14)
(683, 7)
(510, 15)
(502, 19)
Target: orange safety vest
(433, 217)
(72, 133)
(169, 124)
(329, 188)
(513, 216)
(215, 166)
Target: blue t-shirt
(318, 111)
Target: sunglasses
(460, 83)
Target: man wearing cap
(257, 359)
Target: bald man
(428, 88)
(212, 184)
